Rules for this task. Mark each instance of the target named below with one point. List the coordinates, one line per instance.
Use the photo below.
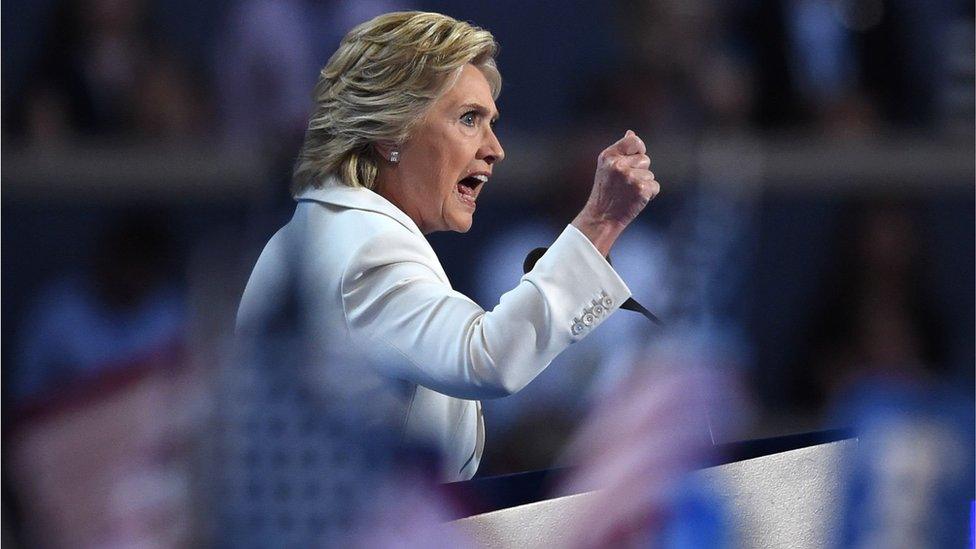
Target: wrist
(601, 232)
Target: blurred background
(815, 227)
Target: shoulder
(353, 241)
(355, 202)
(388, 243)
(339, 232)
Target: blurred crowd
(242, 70)
(122, 388)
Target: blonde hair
(379, 84)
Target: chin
(462, 225)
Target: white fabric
(372, 283)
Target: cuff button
(607, 302)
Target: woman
(401, 144)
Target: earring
(394, 156)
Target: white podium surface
(790, 500)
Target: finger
(637, 175)
(649, 187)
(637, 161)
(648, 181)
(627, 145)
(635, 140)
(630, 167)
(652, 189)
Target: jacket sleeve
(397, 305)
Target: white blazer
(373, 286)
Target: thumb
(627, 145)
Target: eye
(469, 118)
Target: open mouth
(468, 188)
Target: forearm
(454, 347)
(601, 232)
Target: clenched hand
(622, 186)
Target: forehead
(471, 87)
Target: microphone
(631, 304)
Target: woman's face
(448, 159)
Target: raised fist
(622, 186)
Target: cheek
(438, 161)
(426, 170)
(443, 170)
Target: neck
(390, 187)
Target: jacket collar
(358, 198)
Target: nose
(491, 149)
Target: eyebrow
(481, 110)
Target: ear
(385, 148)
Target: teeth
(480, 177)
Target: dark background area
(816, 161)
